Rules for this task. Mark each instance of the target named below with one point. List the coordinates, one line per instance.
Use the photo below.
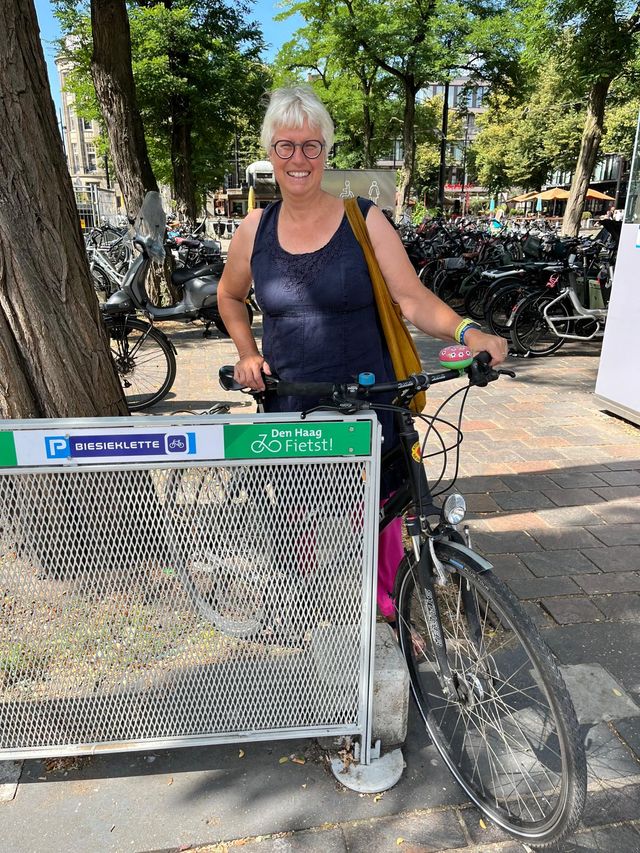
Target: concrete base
(390, 694)
(380, 775)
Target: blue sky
(275, 34)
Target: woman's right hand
(249, 369)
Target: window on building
(86, 123)
(91, 159)
(74, 157)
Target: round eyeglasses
(285, 149)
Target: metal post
(443, 147)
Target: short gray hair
(288, 107)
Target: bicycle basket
(561, 249)
(532, 247)
(454, 263)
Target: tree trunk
(182, 160)
(113, 80)
(409, 144)
(591, 136)
(54, 357)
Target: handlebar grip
(304, 389)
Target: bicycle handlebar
(479, 372)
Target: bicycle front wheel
(144, 360)
(506, 728)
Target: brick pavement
(553, 485)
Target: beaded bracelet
(462, 327)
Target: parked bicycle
(487, 687)
(541, 322)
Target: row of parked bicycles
(121, 261)
(530, 286)
(524, 283)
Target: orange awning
(591, 193)
(525, 197)
(553, 194)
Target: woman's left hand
(478, 341)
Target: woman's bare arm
(419, 305)
(232, 291)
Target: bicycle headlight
(454, 509)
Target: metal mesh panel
(182, 602)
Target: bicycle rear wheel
(144, 360)
(530, 332)
(509, 734)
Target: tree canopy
(199, 77)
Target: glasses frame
(299, 145)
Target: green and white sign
(298, 439)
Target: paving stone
(548, 563)
(626, 511)
(611, 804)
(596, 694)
(620, 582)
(543, 587)
(481, 503)
(509, 566)
(625, 465)
(621, 478)
(624, 838)
(573, 497)
(490, 834)
(618, 651)
(427, 833)
(629, 730)
(618, 534)
(505, 542)
(611, 493)
(569, 610)
(607, 758)
(528, 482)
(527, 521)
(522, 500)
(576, 479)
(481, 485)
(619, 607)
(616, 558)
(537, 614)
(566, 516)
(559, 538)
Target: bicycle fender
(166, 338)
(485, 565)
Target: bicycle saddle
(186, 273)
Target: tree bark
(591, 136)
(182, 160)
(54, 356)
(409, 144)
(115, 89)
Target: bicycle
(541, 322)
(487, 687)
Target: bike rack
(187, 581)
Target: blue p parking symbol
(57, 447)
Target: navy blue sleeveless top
(320, 322)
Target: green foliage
(196, 58)
(521, 144)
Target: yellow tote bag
(404, 355)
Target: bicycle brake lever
(506, 373)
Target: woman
(312, 283)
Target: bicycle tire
(101, 282)
(144, 360)
(530, 333)
(499, 308)
(449, 291)
(474, 300)
(530, 783)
